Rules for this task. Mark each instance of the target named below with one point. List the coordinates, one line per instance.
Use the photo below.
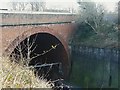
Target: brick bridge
(45, 31)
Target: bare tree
(19, 6)
(93, 15)
(37, 6)
(34, 6)
(14, 5)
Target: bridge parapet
(11, 18)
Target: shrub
(15, 75)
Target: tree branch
(91, 26)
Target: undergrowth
(15, 75)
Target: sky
(109, 4)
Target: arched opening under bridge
(44, 49)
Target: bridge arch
(46, 38)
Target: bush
(15, 75)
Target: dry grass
(16, 76)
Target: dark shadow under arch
(52, 51)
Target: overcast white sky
(109, 4)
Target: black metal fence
(99, 65)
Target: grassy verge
(16, 76)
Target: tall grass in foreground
(15, 75)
